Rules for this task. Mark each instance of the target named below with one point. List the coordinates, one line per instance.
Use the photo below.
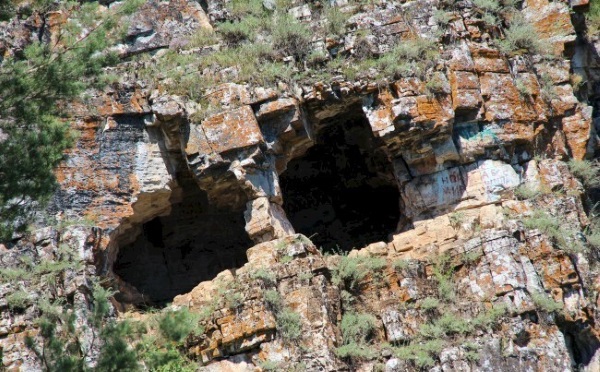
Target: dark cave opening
(342, 192)
(172, 254)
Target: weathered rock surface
(176, 200)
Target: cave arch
(342, 192)
(170, 254)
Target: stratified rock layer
(384, 171)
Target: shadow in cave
(342, 192)
(173, 253)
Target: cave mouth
(342, 192)
(172, 254)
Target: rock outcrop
(414, 200)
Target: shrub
(240, 9)
(306, 276)
(267, 277)
(422, 354)
(587, 171)
(593, 18)
(286, 259)
(291, 37)
(430, 303)
(235, 32)
(289, 325)
(547, 87)
(544, 222)
(488, 5)
(471, 257)
(202, 37)
(18, 300)
(400, 264)
(269, 365)
(336, 21)
(456, 219)
(356, 351)
(443, 18)
(544, 303)
(409, 58)
(593, 238)
(351, 270)
(273, 299)
(520, 35)
(435, 86)
(489, 317)
(522, 88)
(525, 192)
(442, 272)
(176, 325)
(357, 327)
(471, 352)
(576, 81)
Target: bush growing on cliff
(289, 324)
(351, 270)
(357, 329)
(545, 303)
(593, 18)
(520, 36)
(291, 37)
(587, 171)
(176, 325)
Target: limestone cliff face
(421, 187)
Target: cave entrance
(342, 192)
(171, 254)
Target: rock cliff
(427, 211)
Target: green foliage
(286, 259)
(235, 32)
(336, 21)
(273, 299)
(176, 325)
(18, 300)
(351, 270)
(269, 365)
(408, 58)
(115, 353)
(306, 276)
(442, 272)
(556, 229)
(587, 171)
(593, 18)
(526, 192)
(547, 87)
(356, 351)
(471, 352)
(422, 354)
(289, 325)
(267, 277)
(545, 303)
(32, 84)
(291, 37)
(430, 303)
(593, 238)
(487, 5)
(435, 86)
(242, 8)
(520, 36)
(456, 219)
(443, 18)
(400, 264)
(356, 329)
